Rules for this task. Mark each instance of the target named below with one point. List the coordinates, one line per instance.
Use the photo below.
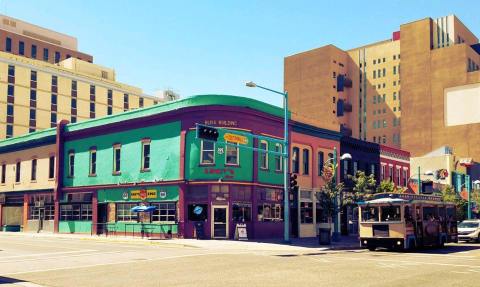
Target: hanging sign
(233, 138)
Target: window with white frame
(166, 211)
(405, 176)
(269, 212)
(278, 158)
(76, 212)
(117, 152)
(383, 171)
(263, 154)
(146, 154)
(399, 179)
(232, 154)
(207, 152)
(93, 162)
(390, 172)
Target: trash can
(324, 236)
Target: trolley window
(370, 213)
(391, 213)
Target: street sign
(233, 138)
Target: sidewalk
(297, 244)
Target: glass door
(219, 222)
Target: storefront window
(197, 212)
(166, 211)
(320, 215)
(370, 214)
(270, 212)
(391, 213)
(76, 212)
(242, 212)
(48, 212)
(124, 212)
(306, 212)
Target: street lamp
(336, 233)
(286, 213)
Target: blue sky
(198, 47)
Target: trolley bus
(406, 221)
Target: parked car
(469, 230)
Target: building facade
(103, 167)
(395, 166)
(311, 149)
(362, 92)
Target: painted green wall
(164, 156)
(270, 175)
(244, 172)
(75, 226)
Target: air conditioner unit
(39, 203)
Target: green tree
(449, 194)
(326, 197)
(386, 186)
(363, 188)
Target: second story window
(51, 167)
(4, 173)
(45, 54)
(295, 160)
(21, 48)
(93, 162)
(146, 154)
(116, 158)
(278, 157)
(320, 160)
(34, 170)
(18, 167)
(71, 163)
(306, 159)
(264, 155)
(231, 155)
(34, 52)
(57, 57)
(8, 45)
(207, 152)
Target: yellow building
(363, 92)
(35, 95)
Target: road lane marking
(46, 254)
(121, 262)
(68, 256)
(403, 261)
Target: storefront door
(219, 221)
(41, 217)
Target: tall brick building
(418, 90)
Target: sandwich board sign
(241, 231)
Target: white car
(469, 230)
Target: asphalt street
(32, 261)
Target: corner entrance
(219, 222)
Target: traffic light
(293, 187)
(207, 133)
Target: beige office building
(418, 90)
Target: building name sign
(223, 123)
(225, 172)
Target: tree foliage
(363, 188)
(328, 192)
(449, 194)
